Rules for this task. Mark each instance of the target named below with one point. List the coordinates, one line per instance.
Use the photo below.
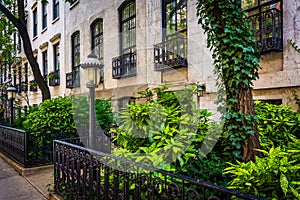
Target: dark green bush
(52, 119)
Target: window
(266, 20)
(172, 51)
(45, 63)
(44, 17)
(55, 9)
(35, 22)
(56, 57)
(97, 42)
(174, 18)
(25, 82)
(127, 27)
(19, 78)
(125, 65)
(76, 58)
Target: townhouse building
(147, 43)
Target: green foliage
(236, 59)
(103, 111)
(52, 119)
(165, 129)
(276, 124)
(275, 176)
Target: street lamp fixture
(200, 90)
(91, 69)
(11, 95)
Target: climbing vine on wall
(291, 42)
(236, 58)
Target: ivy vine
(236, 59)
(291, 42)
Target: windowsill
(74, 4)
(34, 38)
(55, 20)
(44, 30)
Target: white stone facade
(279, 75)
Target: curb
(21, 170)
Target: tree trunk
(20, 25)
(246, 106)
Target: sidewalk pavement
(17, 183)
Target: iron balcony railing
(73, 79)
(170, 54)
(54, 81)
(124, 66)
(82, 173)
(267, 29)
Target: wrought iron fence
(170, 54)
(13, 143)
(25, 148)
(124, 65)
(81, 173)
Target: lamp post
(92, 75)
(11, 95)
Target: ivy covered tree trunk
(236, 59)
(19, 23)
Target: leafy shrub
(165, 129)
(275, 176)
(276, 123)
(52, 119)
(103, 111)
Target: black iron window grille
(124, 66)
(170, 54)
(73, 79)
(266, 21)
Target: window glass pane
(171, 18)
(181, 15)
(128, 25)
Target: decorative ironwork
(170, 54)
(54, 81)
(33, 88)
(73, 79)
(124, 66)
(80, 173)
(13, 143)
(267, 29)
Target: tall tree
(236, 59)
(19, 22)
